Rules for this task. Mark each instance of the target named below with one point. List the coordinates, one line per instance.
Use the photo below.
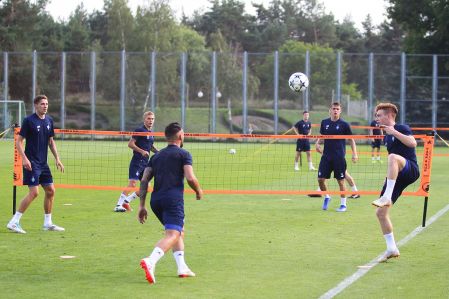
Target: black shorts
(407, 176)
(302, 145)
(329, 164)
(136, 168)
(39, 175)
(375, 143)
(169, 211)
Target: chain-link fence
(221, 92)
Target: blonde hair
(389, 107)
(146, 114)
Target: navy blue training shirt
(375, 131)
(143, 142)
(168, 170)
(335, 147)
(37, 133)
(395, 146)
(303, 127)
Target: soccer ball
(298, 82)
(232, 151)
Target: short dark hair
(336, 104)
(38, 98)
(305, 111)
(171, 130)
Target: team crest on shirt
(337, 127)
(38, 128)
(327, 127)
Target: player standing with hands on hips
(168, 167)
(402, 170)
(38, 131)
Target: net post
(426, 186)
(14, 199)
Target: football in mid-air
(232, 151)
(298, 82)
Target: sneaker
(380, 161)
(388, 255)
(186, 273)
(342, 208)
(381, 202)
(149, 270)
(127, 206)
(312, 168)
(326, 203)
(15, 227)
(53, 228)
(355, 196)
(119, 208)
(296, 168)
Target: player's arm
(154, 149)
(19, 144)
(318, 146)
(355, 157)
(132, 145)
(294, 129)
(146, 178)
(54, 151)
(407, 140)
(371, 133)
(193, 181)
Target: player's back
(168, 170)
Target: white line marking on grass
(365, 268)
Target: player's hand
(199, 194)
(318, 149)
(355, 158)
(389, 130)
(143, 214)
(59, 165)
(27, 164)
(146, 154)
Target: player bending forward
(402, 170)
(168, 167)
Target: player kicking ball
(168, 167)
(402, 171)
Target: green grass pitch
(240, 246)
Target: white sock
(180, 262)
(378, 158)
(16, 217)
(391, 244)
(343, 201)
(389, 189)
(131, 197)
(156, 255)
(373, 158)
(296, 164)
(327, 196)
(354, 188)
(121, 199)
(47, 220)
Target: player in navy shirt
(168, 167)
(375, 143)
(141, 146)
(38, 131)
(402, 170)
(303, 127)
(333, 158)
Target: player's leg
(341, 185)
(178, 255)
(373, 159)
(309, 160)
(297, 156)
(351, 183)
(396, 164)
(378, 153)
(49, 198)
(14, 223)
(324, 170)
(386, 226)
